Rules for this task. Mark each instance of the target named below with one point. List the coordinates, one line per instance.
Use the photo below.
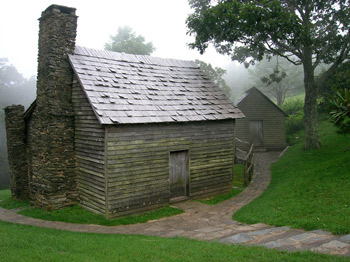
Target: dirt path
(203, 222)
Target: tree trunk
(312, 139)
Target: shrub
(293, 105)
(340, 113)
(295, 120)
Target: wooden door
(256, 133)
(178, 175)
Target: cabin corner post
(106, 174)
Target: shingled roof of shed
(254, 89)
(128, 89)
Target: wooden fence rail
(248, 167)
(246, 158)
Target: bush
(340, 113)
(295, 120)
(293, 105)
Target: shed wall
(90, 152)
(257, 107)
(138, 162)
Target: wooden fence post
(248, 167)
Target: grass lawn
(309, 189)
(25, 243)
(79, 215)
(8, 203)
(237, 187)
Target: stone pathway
(214, 223)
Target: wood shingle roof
(129, 89)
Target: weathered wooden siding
(257, 107)
(138, 162)
(90, 151)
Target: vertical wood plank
(178, 174)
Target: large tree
(308, 32)
(128, 42)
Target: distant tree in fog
(9, 76)
(128, 42)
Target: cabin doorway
(178, 174)
(256, 133)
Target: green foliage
(337, 82)
(237, 187)
(126, 41)
(25, 243)
(5, 194)
(294, 124)
(340, 113)
(295, 120)
(309, 189)
(215, 74)
(293, 105)
(306, 33)
(271, 27)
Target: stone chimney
(57, 35)
(50, 128)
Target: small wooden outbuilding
(264, 122)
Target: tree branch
(271, 49)
(344, 54)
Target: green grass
(8, 203)
(79, 215)
(4, 194)
(25, 243)
(237, 187)
(309, 189)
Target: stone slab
(334, 247)
(345, 238)
(237, 239)
(272, 244)
(209, 229)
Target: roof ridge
(144, 59)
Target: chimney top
(60, 9)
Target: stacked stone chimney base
(17, 153)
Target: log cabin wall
(138, 162)
(90, 152)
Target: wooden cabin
(148, 131)
(264, 122)
(117, 133)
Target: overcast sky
(159, 21)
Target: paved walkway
(203, 222)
